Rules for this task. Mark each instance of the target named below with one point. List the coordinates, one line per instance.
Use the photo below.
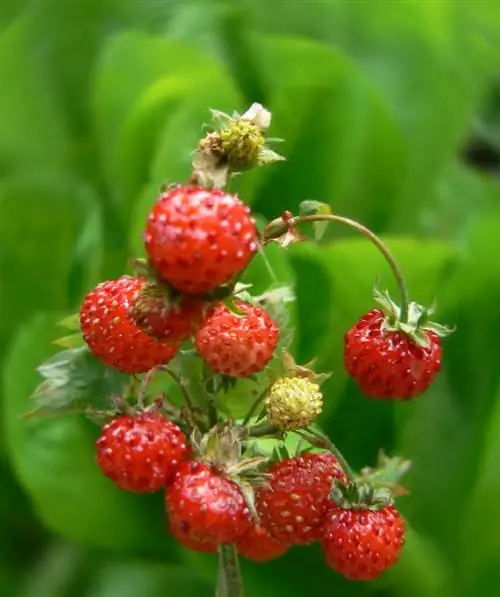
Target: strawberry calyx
(416, 324)
(360, 495)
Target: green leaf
(50, 248)
(335, 126)
(54, 461)
(32, 134)
(141, 80)
(479, 566)
(75, 378)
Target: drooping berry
(258, 545)
(390, 364)
(362, 543)
(198, 239)
(168, 319)
(141, 452)
(180, 530)
(294, 505)
(293, 402)
(238, 345)
(207, 503)
(112, 335)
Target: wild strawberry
(294, 505)
(362, 543)
(198, 239)
(112, 335)
(207, 503)
(391, 357)
(140, 453)
(166, 318)
(258, 545)
(386, 364)
(293, 402)
(181, 531)
(237, 345)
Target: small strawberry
(238, 345)
(258, 545)
(207, 503)
(294, 505)
(362, 543)
(390, 358)
(198, 239)
(293, 402)
(166, 318)
(180, 530)
(111, 334)
(141, 452)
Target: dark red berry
(294, 505)
(111, 334)
(362, 543)
(389, 364)
(238, 345)
(140, 453)
(208, 504)
(198, 239)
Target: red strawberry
(362, 543)
(238, 345)
(164, 318)
(206, 503)
(180, 530)
(140, 453)
(198, 239)
(258, 545)
(389, 364)
(294, 505)
(112, 335)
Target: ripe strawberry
(362, 543)
(198, 239)
(164, 318)
(295, 503)
(140, 453)
(210, 505)
(180, 530)
(112, 335)
(258, 545)
(237, 345)
(390, 364)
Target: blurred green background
(391, 113)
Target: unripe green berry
(293, 403)
(240, 144)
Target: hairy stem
(253, 409)
(374, 239)
(229, 581)
(319, 440)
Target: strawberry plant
(182, 335)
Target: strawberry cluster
(186, 298)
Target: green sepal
(71, 341)
(311, 207)
(71, 323)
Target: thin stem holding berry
(229, 582)
(374, 239)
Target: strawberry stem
(253, 409)
(374, 239)
(229, 581)
(316, 438)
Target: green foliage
(102, 101)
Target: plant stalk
(389, 257)
(229, 581)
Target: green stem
(374, 239)
(324, 442)
(261, 430)
(255, 406)
(229, 581)
(182, 385)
